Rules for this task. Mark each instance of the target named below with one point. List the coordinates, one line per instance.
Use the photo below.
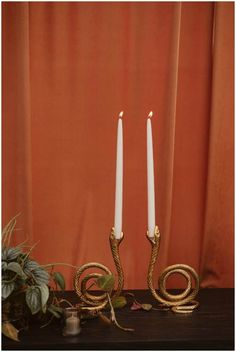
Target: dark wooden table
(211, 327)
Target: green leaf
(44, 296)
(59, 279)
(30, 265)
(53, 311)
(10, 331)
(119, 302)
(10, 253)
(34, 270)
(4, 265)
(33, 299)
(41, 276)
(13, 266)
(146, 306)
(106, 282)
(7, 288)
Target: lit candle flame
(150, 114)
(121, 113)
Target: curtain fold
(16, 117)
(219, 213)
(166, 173)
(68, 70)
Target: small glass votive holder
(71, 322)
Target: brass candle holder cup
(179, 303)
(98, 302)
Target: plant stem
(8, 229)
(12, 279)
(30, 250)
(43, 326)
(113, 316)
(48, 265)
(65, 300)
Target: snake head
(113, 237)
(156, 237)
(157, 233)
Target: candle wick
(150, 114)
(121, 113)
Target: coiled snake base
(98, 302)
(179, 303)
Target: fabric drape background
(68, 70)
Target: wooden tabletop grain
(210, 327)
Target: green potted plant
(29, 290)
(25, 286)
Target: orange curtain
(68, 70)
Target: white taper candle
(150, 179)
(119, 180)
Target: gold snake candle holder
(179, 303)
(98, 302)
